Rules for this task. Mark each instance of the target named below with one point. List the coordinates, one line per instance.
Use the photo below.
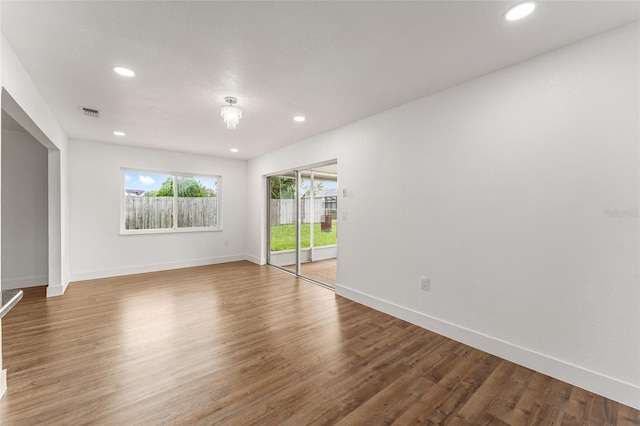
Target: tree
(282, 187)
(285, 187)
(306, 187)
(187, 187)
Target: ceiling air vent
(90, 112)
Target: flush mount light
(234, 150)
(118, 133)
(124, 71)
(519, 11)
(299, 118)
(231, 113)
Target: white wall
(97, 248)
(24, 211)
(22, 101)
(517, 194)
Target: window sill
(167, 231)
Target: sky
(326, 184)
(146, 181)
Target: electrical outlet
(344, 215)
(425, 283)
(226, 243)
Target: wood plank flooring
(320, 270)
(241, 344)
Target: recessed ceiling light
(118, 133)
(519, 11)
(299, 118)
(234, 150)
(124, 71)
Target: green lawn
(283, 237)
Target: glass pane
(307, 212)
(282, 220)
(197, 202)
(319, 212)
(319, 226)
(148, 200)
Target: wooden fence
(283, 211)
(157, 212)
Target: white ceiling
(334, 62)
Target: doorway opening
(25, 227)
(41, 256)
(303, 226)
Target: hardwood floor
(242, 344)
(320, 270)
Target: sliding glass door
(303, 223)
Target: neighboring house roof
(134, 191)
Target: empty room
(320, 212)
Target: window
(151, 205)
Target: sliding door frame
(298, 220)
(297, 175)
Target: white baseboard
(609, 387)
(3, 382)
(141, 269)
(254, 259)
(24, 282)
(56, 290)
(52, 291)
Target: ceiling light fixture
(118, 133)
(234, 150)
(519, 11)
(123, 71)
(299, 118)
(231, 113)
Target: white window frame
(174, 229)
